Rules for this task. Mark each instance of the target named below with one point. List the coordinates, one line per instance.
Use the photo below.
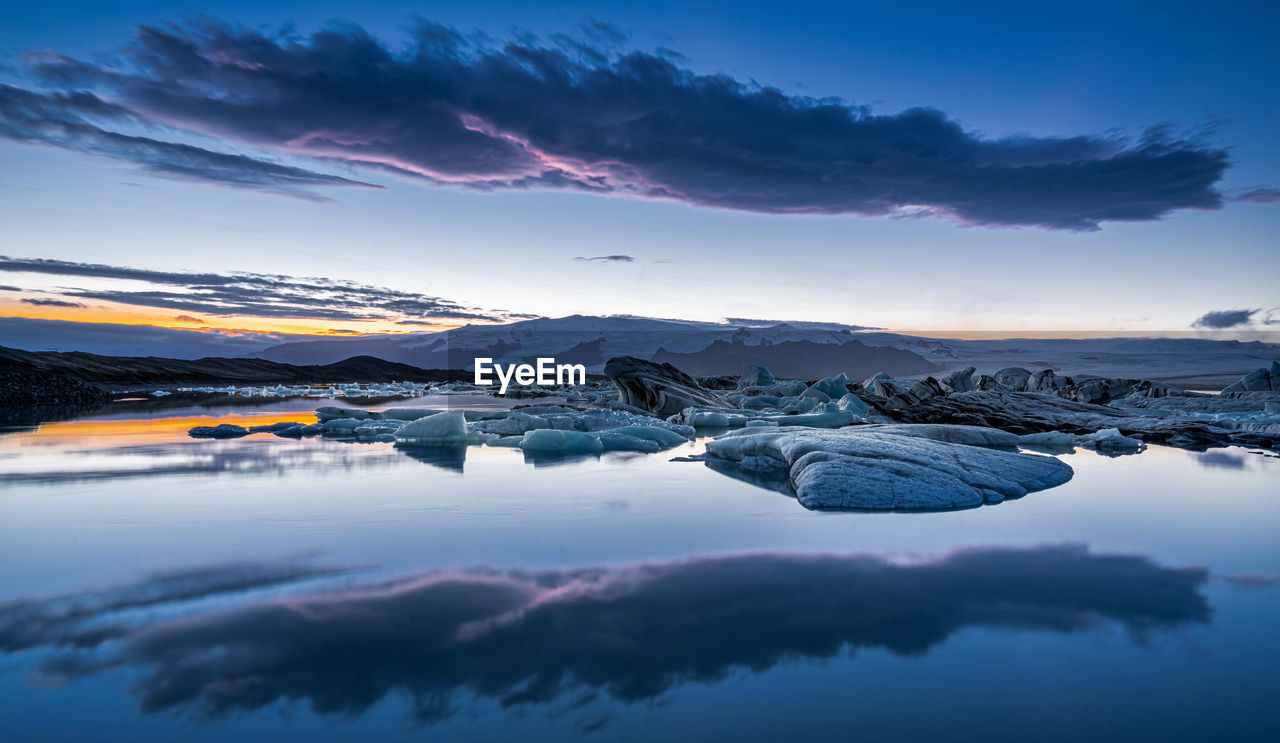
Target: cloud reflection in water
(631, 632)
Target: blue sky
(997, 71)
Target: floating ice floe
(891, 467)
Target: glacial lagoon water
(155, 587)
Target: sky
(338, 168)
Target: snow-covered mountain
(573, 339)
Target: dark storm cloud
(64, 120)
(1222, 319)
(450, 109)
(51, 303)
(259, 295)
(530, 637)
(606, 258)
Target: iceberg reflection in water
(529, 637)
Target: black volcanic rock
(800, 359)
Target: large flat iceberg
(892, 467)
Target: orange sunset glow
(122, 314)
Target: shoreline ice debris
(892, 467)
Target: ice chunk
(441, 428)
(406, 414)
(560, 442)
(707, 418)
(326, 414)
(1107, 440)
(299, 430)
(959, 381)
(803, 404)
(835, 419)
(754, 375)
(833, 387)
(513, 424)
(615, 440)
(663, 437)
(1110, 439)
(343, 426)
(1049, 440)
(274, 427)
(851, 403)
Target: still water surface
(156, 588)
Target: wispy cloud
(249, 294)
(606, 258)
(50, 302)
(1261, 196)
(580, 114)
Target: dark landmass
(145, 370)
(799, 359)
